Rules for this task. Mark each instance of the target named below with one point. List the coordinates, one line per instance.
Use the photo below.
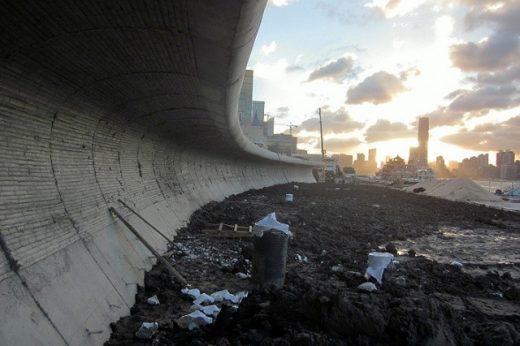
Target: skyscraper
(245, 103)
(269, 127)
(413, 156)
(258, 113)
(505, 157)
(372, 155)
(422, 137)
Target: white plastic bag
(193, 293)
(377, 263)
(225, 296)
(367, 286)
(211, 310)
(153, 300)
(204, 299)
(147, 330)
(269, 222)
(194, 320)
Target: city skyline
(375, 67)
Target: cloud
(507, 76)
(494, 53)
(489, 136)
(336, 71)
(339, 145)
(270, 48)
(338, 121)
(411, 72)
(280, 3)
(384, 130)
(502, 14)
(482, 99)
(498, 51)
(275, 72)
(473, 103)
(395, 8)
(443, 116)
(294, 68)
(381, 87)
(282, 112)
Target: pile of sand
(459, 189)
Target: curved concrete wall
(101, 100)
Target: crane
(290, 126)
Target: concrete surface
(101, 100)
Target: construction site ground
(420, 302)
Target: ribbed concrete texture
(104, 100)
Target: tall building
(372, 155)
(245, 103)
(483, 160)
(251, 115)
(508, 171)
(282, 144)
(413, 156)
(258, 113)
(344, 160)
(422, 137)
(505, 157)
(269, 127)
(453, 165)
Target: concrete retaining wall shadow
(100, 101)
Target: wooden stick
(228, 235)
(145, 221)
(221, 225)
(161, 259)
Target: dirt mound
(458, 189)
(419, 302)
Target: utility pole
(321, 136)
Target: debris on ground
(194, 320)
(420, 301)
(456, 264)
(368, 287)
(377, 263)
(147, 330)
(301, 258)
(153, 300)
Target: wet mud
(423, 300)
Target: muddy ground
(335, 226)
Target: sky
(375, 66)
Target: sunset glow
(375, 66)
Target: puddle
(479, 250)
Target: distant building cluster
(256, 127)
(361, 165)
(417, 166)
(260, 130)
(478, 167)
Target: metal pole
(321, 136)
(145, 221)
(161, 259)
